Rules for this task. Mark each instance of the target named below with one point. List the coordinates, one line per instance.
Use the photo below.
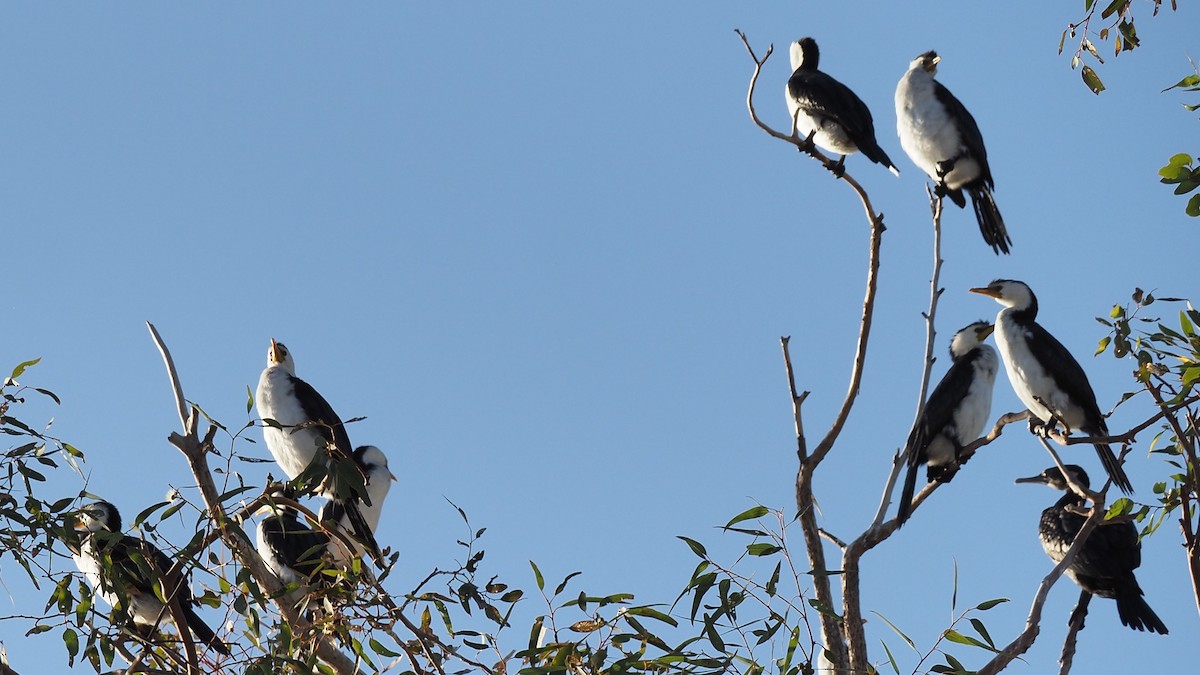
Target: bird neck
(1069, 499)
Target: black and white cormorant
(828, 110)
(299, 426)
(379, 481)
(1044, 375)
(125, 571)
(955, 413)
(1104, 565)
(295, 552)
(942, 138)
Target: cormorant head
(373, 458)
(1010, 293)
(970, 337)
(805, 54)
(927, 62)
(278, 355)
(98, 516)
(1053, 477)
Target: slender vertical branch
(850, 629)
(831, 629)
(935, 294)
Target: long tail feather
(1113, 467)
(202, 632)
(1135, 613)
(991, 223)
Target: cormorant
(125, 571)
(955, 413)
(293, 550)
(942, 138)
(379, 481)
(1044, 375)
(1104, 565)
(299, 426)
(828, 110)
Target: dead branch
(831, 629)
(1073, 627)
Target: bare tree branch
(1073, 627)
(831, 628)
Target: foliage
(1119, 16)
(1167, 354)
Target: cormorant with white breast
(1104, 564)
(379, 481)
(955, 413)
(1044, 375)
(300, 425)
(126, 571)
(827, 110)
(942, 138)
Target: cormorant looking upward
(942, 138)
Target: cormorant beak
(77, 523)
(984, 331)
(1038, 479)
(990, 291)
(392, 476)
(274, 352)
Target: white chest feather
(1029, 377)
(928, 134)
(830, 136)
(976, 408)
(142, 607)
(292, 448)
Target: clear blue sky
(543, 250)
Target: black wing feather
(936, 416)
(317, 409)
(823, 96)
(968, 130)
(1070, 378)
